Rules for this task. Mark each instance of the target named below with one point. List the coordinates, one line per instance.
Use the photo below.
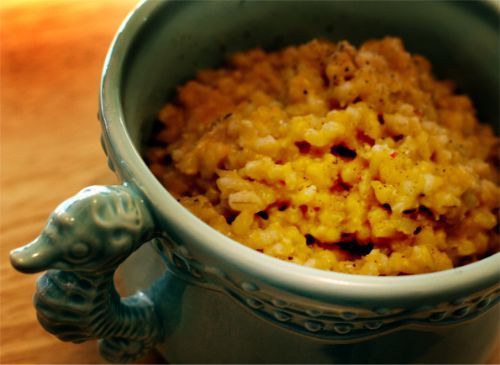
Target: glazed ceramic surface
(200, 297)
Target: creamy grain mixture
(341, 158)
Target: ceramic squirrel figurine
(84, 241)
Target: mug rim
(130, 166)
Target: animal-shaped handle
(84, 241)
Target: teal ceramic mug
(200, 297)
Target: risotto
(348, 159)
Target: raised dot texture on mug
(437, 316)
(279, 303)
(483, 303)
(342, 328)
(183, 251)
(179, 262)
(314, 312)
(461, 312)
(249, 287)
(348, 316)
(313, 326)
(254, 303)
(282, 316)
(164, 243)
(373, 325)
(216, 272)
(196, 273)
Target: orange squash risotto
(348, 159)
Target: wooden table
(51, 57)
(52, 53)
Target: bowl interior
(178, 38)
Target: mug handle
(86, 238)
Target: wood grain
(51, 57)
